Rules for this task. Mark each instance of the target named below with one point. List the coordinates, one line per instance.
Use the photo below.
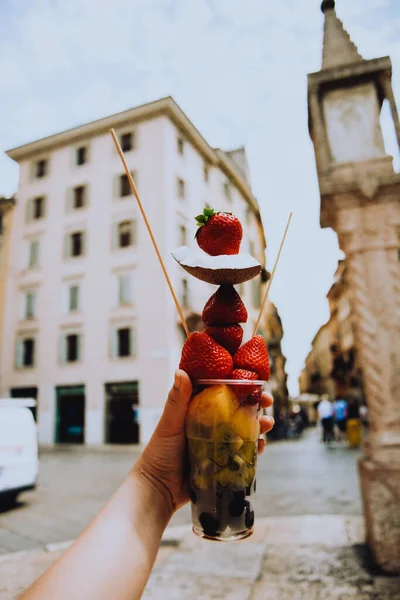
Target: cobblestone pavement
(287, 558)
(294, 478)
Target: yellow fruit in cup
(213, 406)
(246, 424)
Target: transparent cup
(222, 432)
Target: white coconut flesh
(219, 270)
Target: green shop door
(70, 423)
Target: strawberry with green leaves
(219, 232)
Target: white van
(19, 460)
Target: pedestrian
(364, 416)
(353, 424)
(325, 412)
(340, 411)
(112, 559)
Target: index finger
(266, 400)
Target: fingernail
(177, 380)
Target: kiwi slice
(201, 449)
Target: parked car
(19, 459)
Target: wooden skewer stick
(134, 189)
(272, 276)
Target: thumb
(173, 418)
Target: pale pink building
(90, 329)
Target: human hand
(163, 461)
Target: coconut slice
(219, 270)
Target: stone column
(369, 235)
(385, 81)
(320, 141)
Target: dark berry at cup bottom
(237, 505)
(209, 524)
(193, 497)
(249, 516)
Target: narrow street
(294, 478)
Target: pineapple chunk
(245, 424)
(213, 406)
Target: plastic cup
(222, 431)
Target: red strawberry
(224, 307)
(230, 337)
(253, 355)
(203, 358)
(219, 232)
(244, 390)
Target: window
(33, 258)
(81, 155)
(38, 208)
(125, 234)
(180, 144)
(124, 186)
(25, 352)
(206, 172)
(41, 168)
(30, 302)
(180, 188)
(185, 293)
(182, 235)
(79, 196)
(72, 347)
(228, 191)
(124, 289)
(75, 244)
(124, 341)
(73, 297)
(126, 141)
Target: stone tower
(360, 200)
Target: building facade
(272, 331)
(6, 215)
(90, 329)
(331, 366)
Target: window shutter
(116, 290)
(115, 191)
(36, 253)
(135, 178)
(126, 283)
(114, 342)
(79, 347)
(84, 243)
(69, 206)
(65, 298)
(63, 349)
(19, 353)
(22, 305)
(29, 210)
(133, 341)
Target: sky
(239, 71)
